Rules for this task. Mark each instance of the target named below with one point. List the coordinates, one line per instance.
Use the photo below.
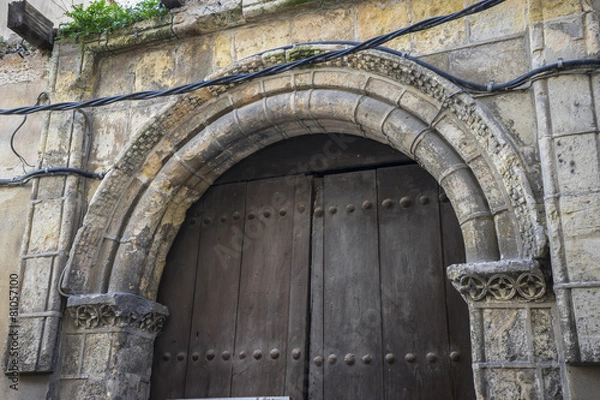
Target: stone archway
(117, 259)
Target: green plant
(100, 17)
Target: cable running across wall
(269, 71)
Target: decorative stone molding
(501, 280)
(117, 310)
(391, 64)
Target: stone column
(107, 346)
(513, 329)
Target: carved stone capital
(117, 310)
(505, 280)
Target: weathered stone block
(552, 389)
(96, 352)
(580, 222)
(45, 226)
(577, 163)
(333, 25)
(586, 305)
(155, 70)
(564, 38)
(488, 25)
(374, 19)
(71, 362)
(544, 343)
(479, 63)
(505, 335)
(36, 279)
(256, 8)
(510, 384)
(117, 73)
(443, 37)
(109, 139)
(516, 111)
(210, 16)
(571, 104)
(223, 50)
(249, 41)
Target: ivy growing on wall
(102, 16)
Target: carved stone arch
(174, 158)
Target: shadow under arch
(137, 210)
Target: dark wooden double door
(327, 287)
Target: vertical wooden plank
(316, 375)
(296, 385)
(413, 295)
(457, 310)
(264, 291)
(352, 324)
(211, 347)
(168, 374)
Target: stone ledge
(117, 310)
(502, 280)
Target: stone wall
(552, 125)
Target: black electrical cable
(53, 171)
(269, 71)
(13, 135)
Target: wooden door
(238, 296)
(380, 319)
(330, 287)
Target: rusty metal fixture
(424, 200)
(318, 212)
(443, 198)
(210, 355)
(410, 357)
(296, 353)
(431, 357)
(318, 361)
(242, 355)
(367, 205)
(405, 202)
(207, 221)
(387, 203)
(267, 213)
(257, 354)
(332, 359)
(367, 359)
(195, 356)
(274, 354)
(236, 216)
(390, 358)
(225, 355)
(350, 208)
(455, 356)
(224, 219)
(166, 356)
(181, 356)
(301, 207)
(332, 210)
(251, 216)
(349, 359)
(283, 212)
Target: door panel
(266, 279)
(351, 312)
(211, 338)
(413, 293)
(355, 260)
